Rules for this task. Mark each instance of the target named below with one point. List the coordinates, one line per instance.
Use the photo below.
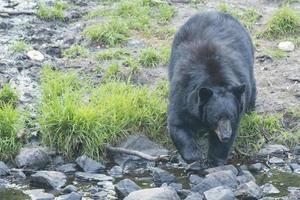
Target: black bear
(211, 84)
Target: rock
(273, 149)
(139, 143)
(89, 165)
(249, 190)
(194, 196)
(181, 1)
(136, 43)
(6, 25)
(35, 55)
(257, 167)
(176, 186)
(206, 184)
(286, 46)
(184, 193)
(54, 51)
(267, 198)
(32, 157)
(93, 177)
(4, 170)
(222, 168)
(48, 179)
(245, 177)
(39, 194)
(162, 193)
(70, 189)
(67, 168)
(3, 183)
(116, 171)
(276, 161)
(161, 176)
(72, 196)
(226, 178)
(195, 179)
(126, 186)
(295, 167)
(18, 175)
(100, 195)
(219, 193)
(196, 166)
(269, 189)
(58, 160)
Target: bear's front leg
(185, 143)
(218, 151)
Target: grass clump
(75, 51)
(149, 58)
(111, 33)
(55, 12)
(77, 120)
(19, 46)
(276, 53)
(285, 21)
(8, 96)
(166, 13)
(111, 54)
(132, 64)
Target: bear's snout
(224, 130)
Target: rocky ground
(38, 173)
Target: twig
(138, 154)
(3, 12)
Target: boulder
(89, 165)
(48, 179)
(126, 186)
(162, 193)
(219, 193)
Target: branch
(3, 12)
(138, 154)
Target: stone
(18, 175)
(32, 157)
(58, 160)
(162, 193)
(181, 1)
(226, 178)
(116, 171)
(222, 168)
(48, 179)
(184, 193)
(4, 170)
(269, 189)
(54, 50)
(126, 186)
(67, 168)
(93, 177)
(295, 167)
(286, 46)
(161, 176)
(176, 186)
(70, 189)
(89, 165)
(39, 194)
(249, 190)
(195, 179)
(267, 198)
(219, 193)
(3, 183)
(71, 196)
(273, 149)
(245, 177)
(257, 167)
(206, 184)
(194, 196)
(276, 160)
(136, 43)
(100, 195)
(35, 55)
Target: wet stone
(219, 193)
(89, 165)
(4, 170)
(70, 188)
(48, 179)
(39, 194)
(222, 168)
(67, 168)
(126, 186)
(269, 189)
(206, 184)
(248, 190)
(92, 177)
(116, 171)
(226, 178)
(161, 176)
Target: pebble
(269, 189)
(35, 55)
(286, 46)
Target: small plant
(276, 53)
(18, 46)
(111, 33)
(111, 54)
(223, 7)
(150, 57)
(112, 70)
(75, 51)
(166, 12)
(165, 55)
(8, 96)
(285, 21)
(52, 12)
(132, 64)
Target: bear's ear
(205, 94)
(239, 90)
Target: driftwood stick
(138, 154)
(3, 12)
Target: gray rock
(32, 157)
(35, 55)
(206, 184)
(294, 193)
(273, 149)
(70, 189)
(3, 183)
(67, 168)
(72, 196)
(257, 167)
(93, 177)
(269, 189)
(48, 179)
(102, 195)
(126, 186)
(219, 193)
(162, 193)
(176, 186)
(248, 190)
(161, 176)
(286, 46)
(195, 179)
(276, 161)
(226, 178)
(222, 168)
(136, 43)
(194, 196)
(245, 177)
(39, 194)
(4, 170)
(184, 193)
(295, 167)
(116, 171)
(58, 160)
(267, 198)
(89, 165)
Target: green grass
(111, 54)
(55, 12)
(285, 21)
(18, 46)
(77, 119)
(166, 13)
(111, 33)
(132, 64)
(275, 53)
(76, 51)
(112, 71)
(8, 96)
(149, 57)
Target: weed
(166, 13)
(149, 57)
(8, 96)
(165, 54)
(276, 53)
(18, 46)
(111, 33)
(52, 12)
(111, 54)
(132, 64)
(75, 51)
(223, 7)
(112, 71)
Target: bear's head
(220, 109)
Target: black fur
(211, 78)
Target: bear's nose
(225, 139)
